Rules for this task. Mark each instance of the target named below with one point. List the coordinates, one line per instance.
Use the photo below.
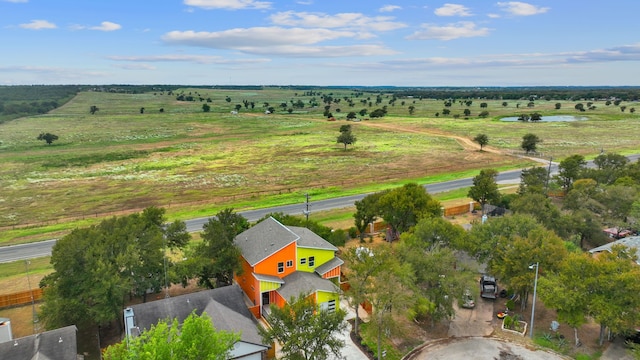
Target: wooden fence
(20, 298)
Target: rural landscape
(113, 172)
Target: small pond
(552, 118)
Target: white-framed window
(289, 263)
(280, 267)
(303, 261)
(312, 261)
(329, 306)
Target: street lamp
(533, 306)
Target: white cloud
(517, 8)
(229, 4)
(453, 10)
(106, 26)
(341, 20)
(390, 8)
(16, 1)
(135, 66)
(461, 29)
(38, 25)
(199, 59)
(294, 42)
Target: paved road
(481, 349)
(39, 249)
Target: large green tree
(95, 268)
(195, 339)
(402, 207)
(366, 212)
(568, 289)
(485, 188)
(530, 143)
(533, 180)
(569, 170)
(304, 331)
(217, 255)
(48, 138)
(482, 140)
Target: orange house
(281, 262)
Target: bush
(353, 232)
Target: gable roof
(632, 242)
(329, 265)
(263, 240)
(225, 306)
(300, 282)
(309, 239)
(58, 344)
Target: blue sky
(320, 42)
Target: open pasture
(194, 163)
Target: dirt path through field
(466, 143)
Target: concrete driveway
(481, 349)
(473, 322)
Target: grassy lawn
(193, 163)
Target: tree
(378, 113)
(237, 107)
(366, 212)
(412, 109)
(467, 112)
(402, 207)
(195, 339)
(93, 109)
(569, 170)
(48, 138)
(573, 277)
(390, 296)
(482, 140)
(485, 188)
(530, 143)
(614, 300)
(362, 264)
(558, 106)
(96, 267)
(513, 255)
(346, 137)
(533, 180)
(217, 254)
(305, 331)
(351, 115)
(141, 110)
(610, 166)
(206, 107)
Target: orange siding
(278, 300)
(246, 281)
(333, 273)
(255, 310)
(269, 266)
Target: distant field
(194, 163)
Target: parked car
(467, 300)
(488, 287)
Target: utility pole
(34, 316)
(306, 212)
(546, 185)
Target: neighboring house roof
(224, 305)
(632, 242)
(58, 344)
(329, 265)
(309, 239)
(305, 283)
(263, 240)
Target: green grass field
(195, 163)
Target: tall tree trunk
(602, 332)
(356, 321)
(575, 332)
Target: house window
(280, 267)
(312, 261)
(303, 261)
(289, 263)
(329, 306)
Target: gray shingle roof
(329, 265)
(305, 283)
(58, 344)
(630, 242)
(263, 240)
(225, 306)
(309, 239)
